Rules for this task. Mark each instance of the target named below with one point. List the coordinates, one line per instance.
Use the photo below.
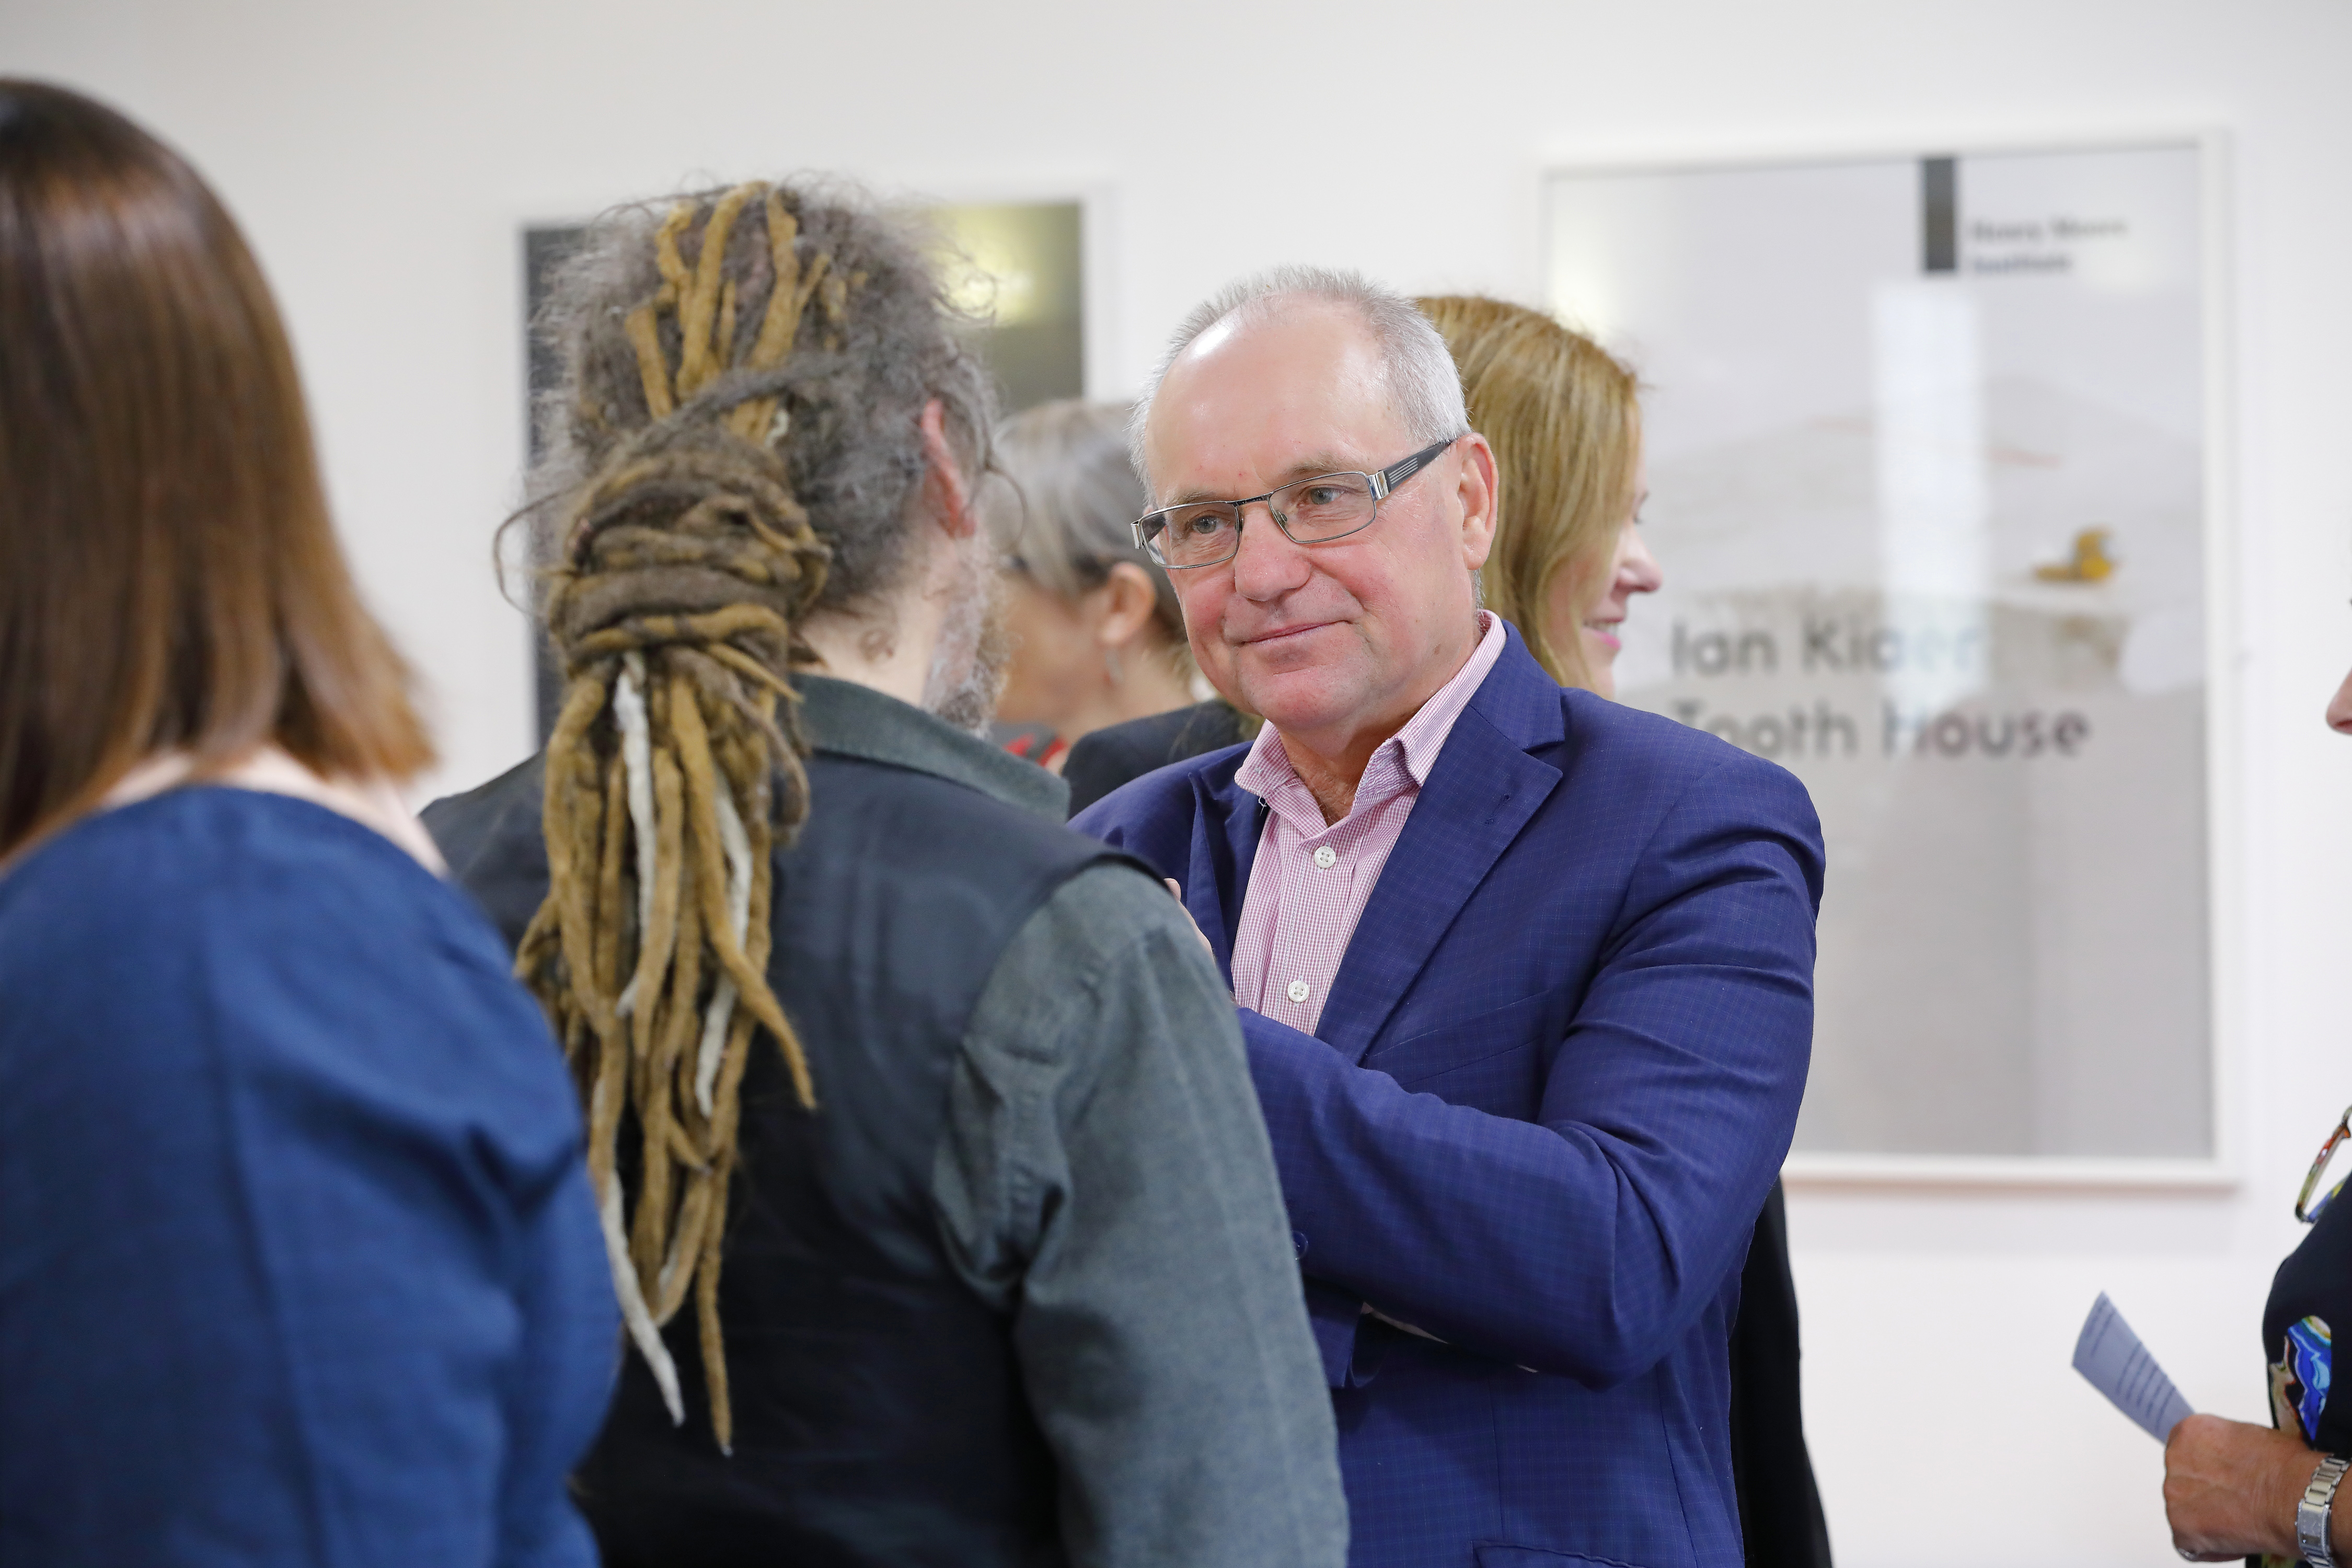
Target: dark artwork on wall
(1016, 266)
(543, 250)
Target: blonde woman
(1563, 415)
(1564, 418)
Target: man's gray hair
(1423, 384)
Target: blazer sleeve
(1585, 1242)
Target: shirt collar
(853, 720)
(1423, 735)
(1268, 767)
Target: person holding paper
(2232, 1489)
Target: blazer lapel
(1480, 794)
(1227, 819)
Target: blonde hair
(1563, 417)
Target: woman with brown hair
(298, 1262)
(1565, 419)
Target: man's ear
(1480, 493)
(944, 484)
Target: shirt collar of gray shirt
(853, 720)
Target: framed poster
(1930, 446)
(1020, 267)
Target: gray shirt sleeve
(1105, 1177)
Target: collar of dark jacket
(853, 720)
(1519, 698)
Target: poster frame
(2226, 658)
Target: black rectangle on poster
(1939, 213)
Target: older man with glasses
(1526, 977)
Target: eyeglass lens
(1310, 511)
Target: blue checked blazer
(1557, 1073)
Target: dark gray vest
(879, 1416)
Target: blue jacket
(1558, 1072)
(299, 1266)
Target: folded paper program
(2111, 1356)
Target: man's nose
(1268, 565)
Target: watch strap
(2311, 1513)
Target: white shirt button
(1326, 857)
(1299, 990)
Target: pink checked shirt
(1311, 882)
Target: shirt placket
(1318, 868)
(1318, 881)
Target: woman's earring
(1111, 664)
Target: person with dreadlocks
(941, 1214)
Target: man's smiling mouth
(1284, 632)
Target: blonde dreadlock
(687, 565)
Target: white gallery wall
(384, 157)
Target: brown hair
(1566, 426)
(169, 579)
(738, 443)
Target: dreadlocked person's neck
(895, 644)
(920, 642)
(890, 651)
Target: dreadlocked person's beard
(968, 668)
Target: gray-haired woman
(1096, 637)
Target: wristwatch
(2311, 1513)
